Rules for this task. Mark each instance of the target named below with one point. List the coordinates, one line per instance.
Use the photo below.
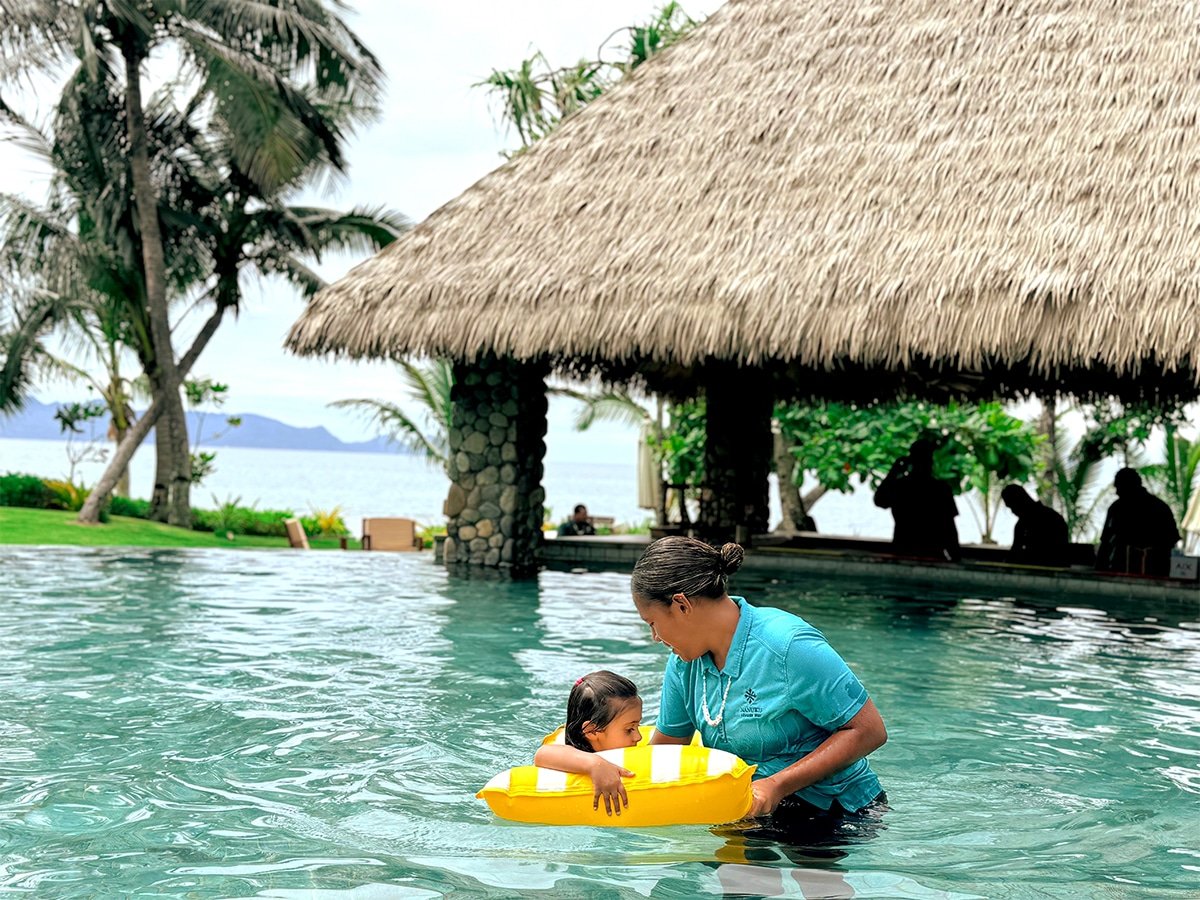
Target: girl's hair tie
(578, 682)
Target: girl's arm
(846, 746)
(606, 777)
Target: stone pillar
(737, 451)
(494, 508)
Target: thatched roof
(1002, 187)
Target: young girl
(604, 712)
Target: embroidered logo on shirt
(750, 695)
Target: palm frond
(397, 426)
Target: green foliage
(977, 444)
(682, 445)
(58, 527)
(67, 495)
(206, 392)
(327, 522)
(429, 388)
(25, 490)
(129, 507)
(427, 533)
(980, 446)
(535, 97)
(1116, 429)
(230, 517)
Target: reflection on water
(281, 725)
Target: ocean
(393, 484)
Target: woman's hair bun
(731, 558)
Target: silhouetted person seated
(922, 506)
(1139, 530)
(1040, 536)
(579, 524)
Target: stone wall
(497, 432)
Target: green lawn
(48, 526)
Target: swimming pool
(242, 724)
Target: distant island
(36, 422)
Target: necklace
(713, 723)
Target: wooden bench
(391, 534)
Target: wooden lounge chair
(391, 534)
(295, 533)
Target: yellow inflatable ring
(674, 784)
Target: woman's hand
(767, 794)
(606, 780)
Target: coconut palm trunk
(167, 382)
(90, 513)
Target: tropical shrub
(231, 517)
(67, 494)
(129, 507)
(326, 522)
(27, 491)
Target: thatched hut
(832, 199)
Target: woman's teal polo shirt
(788, 691)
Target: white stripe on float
(720, 762)
(551, 780)
(499, 781)
(664, 762)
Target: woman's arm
(606, 777)
(657, 737)
(846, 746)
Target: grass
(48, 526)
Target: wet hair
(579, 507)
(592, 700)
(683, 565)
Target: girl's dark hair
(684, 565)
(591, 700)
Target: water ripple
(257, 724)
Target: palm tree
(535, 98)
(265, 70)
(429, 387)
(78, 254)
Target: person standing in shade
(1040, 536)
(1139, 530)
(579, 525)
(922, 506)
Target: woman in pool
(604, 712)
(761, 683)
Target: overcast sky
(437, 135)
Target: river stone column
(496, 436)
(737, 452)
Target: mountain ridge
(36, 422)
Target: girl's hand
(606, 780)
(766, 796)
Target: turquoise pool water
(216, 724)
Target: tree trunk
(811, 497)
(153, 256)
(795, 515)
(160, 496)
(90, 514)
(178, 462)
(122, 487)
(1048, 426)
